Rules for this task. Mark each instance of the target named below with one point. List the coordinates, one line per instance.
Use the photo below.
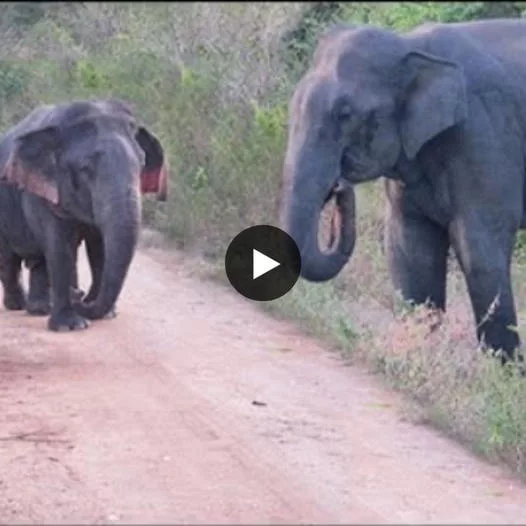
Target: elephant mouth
(359, 170)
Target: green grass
(212, 81)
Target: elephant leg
(485, 259)
(38, 300)
(417, 258)
(60, 260)
(76, 293)
(10, 269)
(95, 252)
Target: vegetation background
(213, 81)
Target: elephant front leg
(38, 300)
(76, 293)
(60, 259)
(417, 258)
(485, 259)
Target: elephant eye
(372, 124)
(85, 173)
(347, 121)
(74, 176)
(372, 121)
(345, 113)
(345, 116)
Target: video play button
(262, 263)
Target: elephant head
(90, 161)
(368, 99)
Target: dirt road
(193, 406)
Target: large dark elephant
(73, 172)
(440, 113)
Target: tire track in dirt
(150, 417)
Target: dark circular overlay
(272, 243)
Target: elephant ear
(154, 175)
(32, 165)
(434, 99)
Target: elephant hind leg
(485, 258)
(10, 268)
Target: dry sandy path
(150, 418)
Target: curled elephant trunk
(302, 206)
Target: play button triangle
(262, 264)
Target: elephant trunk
(303, 200)
(120, 232)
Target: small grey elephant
(71, 172)
(440, 113)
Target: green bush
(13, 80)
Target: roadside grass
(213, 81)
(434, 361)
(457, 388)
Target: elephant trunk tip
(319, 264)
(320, 274)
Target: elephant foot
(112, 313)
(38, 307)
(67, 320)
(14, 301)
(86, 310)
